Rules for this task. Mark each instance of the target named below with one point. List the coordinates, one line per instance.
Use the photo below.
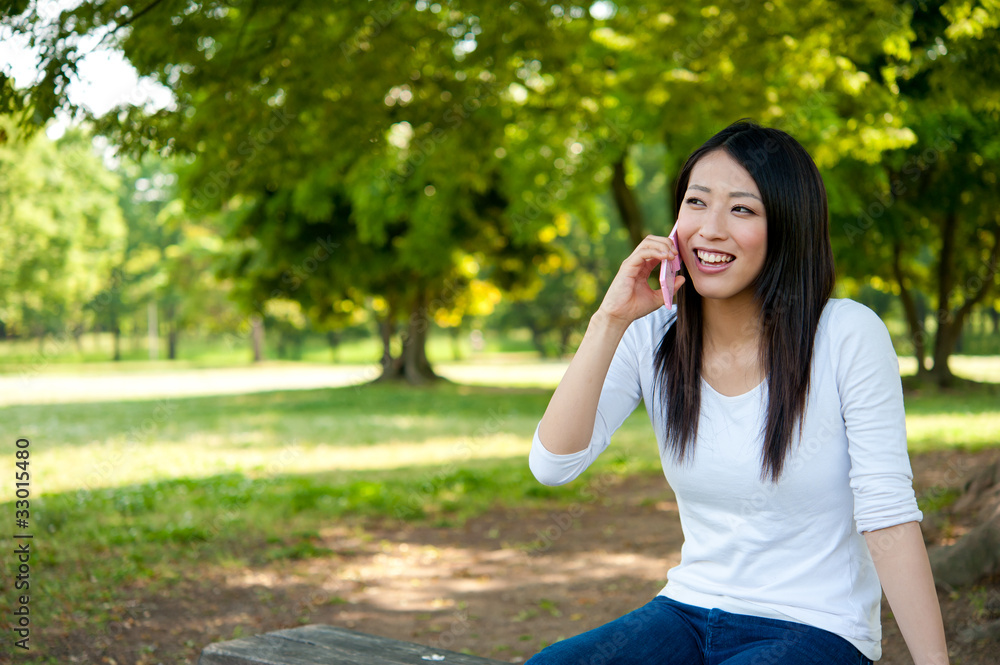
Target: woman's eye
(742, 209)
(694, 201)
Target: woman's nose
(713, 224)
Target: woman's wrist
(602, 322)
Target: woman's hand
(630, 297)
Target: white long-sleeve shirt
(792, 550)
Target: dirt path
(33, 386)
(30, 387)
(502, 586)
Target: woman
(779, 413)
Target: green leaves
(61, 231)
(418, 134)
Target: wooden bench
(327, 645)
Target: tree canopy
(411, 159)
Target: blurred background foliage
(329, 172)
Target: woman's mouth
(713, 262)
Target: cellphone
(668, 270)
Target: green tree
(924, 220)
(285, 106)
(61, 232)
(187, 288)
(433, 132)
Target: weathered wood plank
(328, 645)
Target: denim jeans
(667, 632)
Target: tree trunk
(913, 318)
(416, 368)
(172, 342)
(135, 338)
(116, 332)
(171, 313)
(951, 322)
(153, 329)
(625, 201)
(976, 555)
(538, 340)
(412, 366)
(564, 334)
(257, 337)
(944, 339)
(456, 347)
(333, 339)
(386, 329)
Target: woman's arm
(905, 573)
(568, 423)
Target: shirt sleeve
(871, 402)
(620, 395)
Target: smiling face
(722, 227)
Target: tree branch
(987, 282)
(626, 203)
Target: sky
(106, 79)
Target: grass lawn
(144, 492)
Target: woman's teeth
(706, 257)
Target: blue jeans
(666, 632)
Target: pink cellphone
(668, 270)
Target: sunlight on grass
(533, 374)
(355, 431)
(971, 431)
(142, 492)
(115, 465)
(977, 368)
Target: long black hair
(791, 291)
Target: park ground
(173, 518)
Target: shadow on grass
(348, 416)
(201, 559)
(96, 548)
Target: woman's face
(722, 217)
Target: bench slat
(328, 645)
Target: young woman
(779, 414)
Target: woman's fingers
(666, 246)
(630, 296)
(655, 248)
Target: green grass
(139, 494)
(967, 420)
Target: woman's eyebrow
(732, 195)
